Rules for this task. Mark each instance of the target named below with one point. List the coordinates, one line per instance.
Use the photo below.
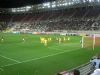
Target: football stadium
(49, 37)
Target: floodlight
(46, 4)
(53, 5)
(28, 7)
(13, 10)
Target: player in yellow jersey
(64, 39)
(2, 39)
(45, 42)
(59, 40)
(68, 38)
(42, 40)
(49, 39)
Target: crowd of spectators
(72, 19)
(95, 68)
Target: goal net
(91, 41)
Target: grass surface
(33, 58)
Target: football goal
(91, 41)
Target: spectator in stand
(62, 73)
(59, 74)
(75, 72)
(96, 72)
(96, 61)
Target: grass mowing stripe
(1, 69)
(56, 47)
(10, 59)
(69, 45)
(80, 66)
(42, 57)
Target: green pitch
(30, 57)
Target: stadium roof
(20, 3)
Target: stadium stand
(84, 69)
(73, 19)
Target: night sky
(19, 3)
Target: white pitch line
(41, 57)
(70, 45)
(10, 59)
(56, 47)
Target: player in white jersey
(23, 39)
(59, 40)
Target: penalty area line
(59, 49)
(41, 57)
(10, 59)
(69, 45)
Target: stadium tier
(67, 19)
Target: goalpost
(91, 41)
